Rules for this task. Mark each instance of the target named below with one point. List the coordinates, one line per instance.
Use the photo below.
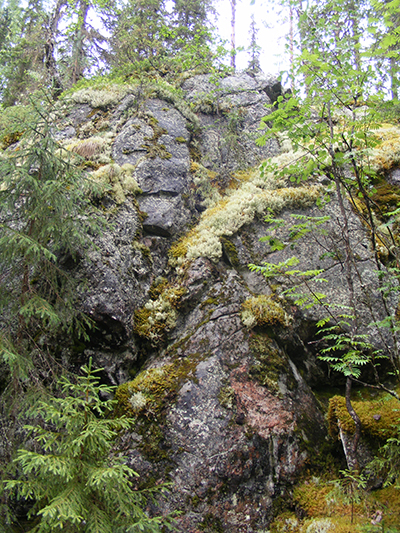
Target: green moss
(389, 499)
(153, 446)
(158, 286)
(158, 386)
(263, 310)
(175, 96)
(226, 397)
(317, 510)
(11, 138)
(211, 523)
(179, 248)
(270, 362)
(180, 140)
(386, 197)
(159, 315)
(145, 250)
(195, 501)
(311, 497)
(147, 397)
(209, 301)
(142, 215)
(157, 150)
(230, 251)
(194, 152)
(385, 409)
(153, 147)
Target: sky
(270, 36)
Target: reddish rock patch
(264, 412)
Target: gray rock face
(165, 216)
(232, 420)
(240, 416)
(156, 146)
(230, 112)
(129, 146)
(230, 444)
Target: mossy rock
(230, 251)
(270, 362)
(143, 249)
(212, 523)
(379, 417)
(263, 310)
(158, 286)
(159, 315)
(9, 139)
(226, 397)
(386, 197)
(179, 248)
(157, 150)
(157, 386)
(146, 399)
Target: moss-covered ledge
(379, 417)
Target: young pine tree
(254, 48)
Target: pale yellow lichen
(386, 153)
(120, 178)
(102, 97)
(238, 208)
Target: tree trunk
(357, 422)
(233, 34)
(79, 41)
(49, 60)
(394, 78)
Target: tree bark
(49, 60)
(233, 34)
(357, 422)
(79, 40)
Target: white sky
(270, 36)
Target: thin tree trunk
(348, 261)
(50, 61)
(233, 34)
(78, 46)
(394, 77)
(291, 47)
(357, 422)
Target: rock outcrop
(224, 407)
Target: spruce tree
(140, 39)
(254, 48)
(72, 474)
(192, 17)
(21, 54)
(45, 214)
